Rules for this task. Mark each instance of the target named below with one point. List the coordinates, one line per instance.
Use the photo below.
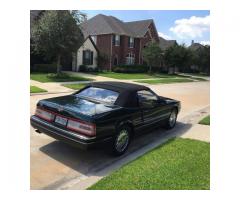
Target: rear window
(99, 94)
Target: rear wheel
(171, 122)
(121, 141)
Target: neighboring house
(195, 47)
(86, 55)
(165, 44)
(120, 42)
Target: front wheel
(171, 122)
(121, 141)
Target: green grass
(205, 120)
(76, 86)
(125, 76)
(51, 77)
(165, 80)
(34, 89)
(179, 164)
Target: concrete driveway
(55, 165)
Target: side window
(146, 99)
(87, 57)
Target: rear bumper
(68, 137)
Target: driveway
(55, 165)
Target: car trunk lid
(76, 107)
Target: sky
(181, 25)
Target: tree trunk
(59, 68)
(150, 69)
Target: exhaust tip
(38, 131)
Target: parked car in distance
(104, 113)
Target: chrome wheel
(122, 140)
(172, 118)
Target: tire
(171, 121)
(120, 147)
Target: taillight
(82, 127)
(44, 114)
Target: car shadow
(98, 162)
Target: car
(104, 114)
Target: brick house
(120, 42)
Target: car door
(152, 108)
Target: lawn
(76, 86)
(126, 76)
(34, 89)
(51, 77)
(165, 80)
(179, 164)
(205, 120)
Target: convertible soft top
(119, 86)
(127, 91)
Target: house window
(130, 42)
(130, 59)
(94, 38)
(87, 57)
(116, 40)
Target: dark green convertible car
(104, 114)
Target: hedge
(130, 68)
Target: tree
(102, 59)
(178, 56)
(56, 33)
(152, 54)
(201, 58)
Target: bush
(130, 68)
(85, 68)
(91, 69)
(82, 68)
(46, 68)
(58, 76)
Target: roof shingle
(102, 24)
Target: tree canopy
(56, 33)
(152, 54)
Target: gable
(102, 24)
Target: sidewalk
(193, 76)
(198, 132)
(51, 87)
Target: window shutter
(113, 39)
(84, 58)
(121, 40)
(128, 41)
(91, 58)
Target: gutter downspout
(111, 56)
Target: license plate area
(61, 120)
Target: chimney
(192, 42)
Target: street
(55, 165)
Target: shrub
(58, 76)
(92, 69)
(130, 68)
(82, 68)
(46, 68)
